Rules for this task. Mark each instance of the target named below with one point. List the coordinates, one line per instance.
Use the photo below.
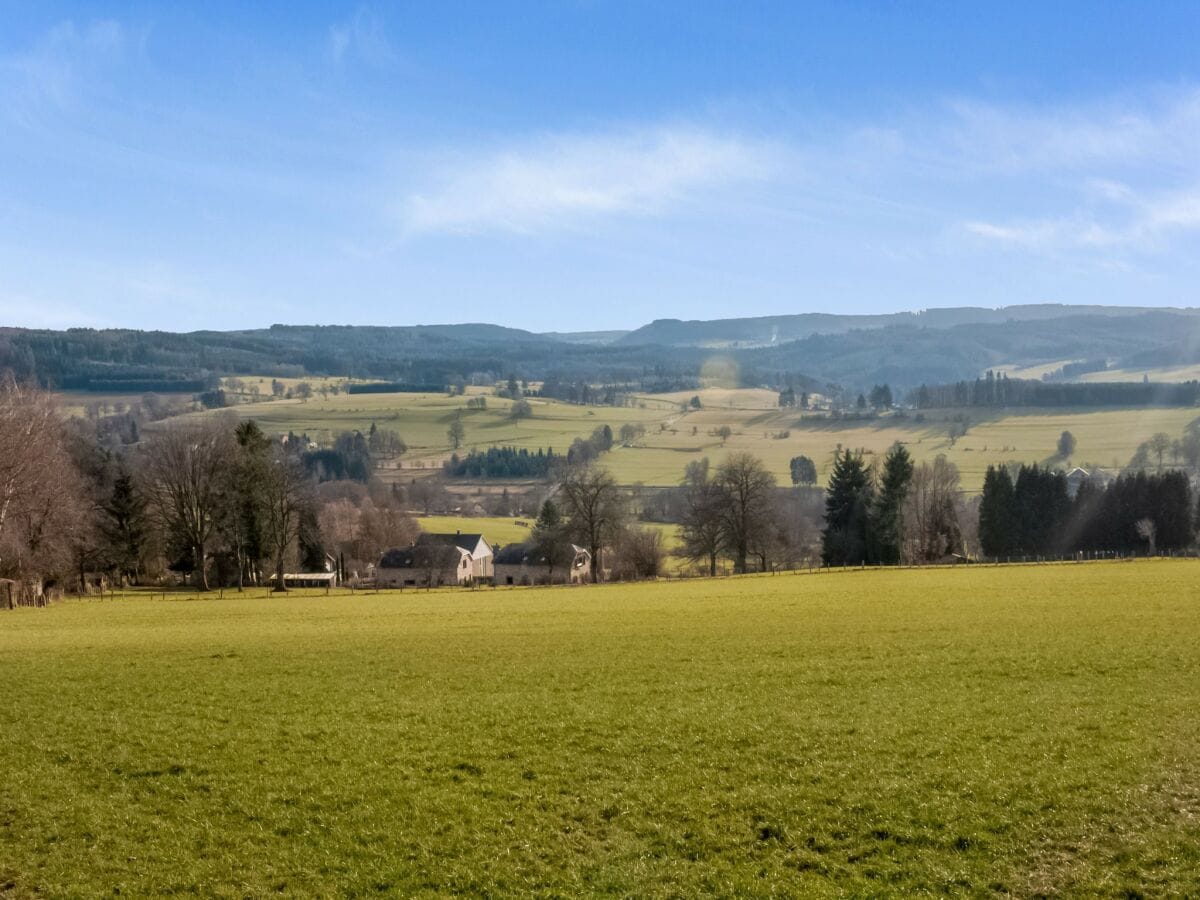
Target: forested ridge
(900, 351)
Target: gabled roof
(438, 556)
(525, 554)
(468, 542)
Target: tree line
(995, 390)
(502, 462)
(214, 500)
(1033, 514)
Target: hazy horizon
(590, 167)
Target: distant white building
(424, 565)
(524, 564)
(1077, 476)
(474, 544)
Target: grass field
(1106, 438)
(76, 403)
(1166, 375)
(971, 731)
(423, 419)
(497, 529)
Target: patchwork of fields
(1106, 438)
(1031, 730)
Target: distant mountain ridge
(903, 349)
(765, 331)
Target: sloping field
(975, 731)
(422, 420)
(1106, 438)
(1166, 374)
(498, 530)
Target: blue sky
(590, 165)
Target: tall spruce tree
(243, 518)
(998, 522)
(885, 532)
(124, 527)
(847, 511)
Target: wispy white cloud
(562, 179)
(51, 70)
(1134, 222)
(1111, 178)
(1163, 127)
(364, 37)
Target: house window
(509, 580)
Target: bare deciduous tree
(748, 509)
(593, 507)
(41, 510)
(701, 526)
(639, 554)
(1147, 531)
(931, 528)
(28, 428)
(184, 468)
(286, 492)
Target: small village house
(424, 565)
(482, 556)
(524, 564)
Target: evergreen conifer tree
(885, 527)
(847, 511)
(998, 525)
(125, 527)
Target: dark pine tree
(885, 528)
(124, 527)
(998, 521)
(847, 511)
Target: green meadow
(498, 530)
(423, 419)
(1106, 438)
(975, 731)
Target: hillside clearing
(1024, 729)
(1105, 437)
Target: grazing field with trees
(221, 500)
(937, 731)
(665, 432)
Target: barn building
(424, 565)
(525, 564)
(482, 556)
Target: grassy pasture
(1031, 730)
(1166, 374)
(75, 403)
(497, 529)
(1035, 371)
(422, 420)
(1105, 437)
